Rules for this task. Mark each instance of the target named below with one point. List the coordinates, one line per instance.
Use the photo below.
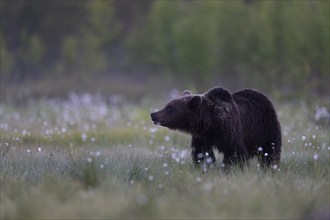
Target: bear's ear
(185, 92)
(194, 102)
(219, 93)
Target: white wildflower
(167, 138)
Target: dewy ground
(93, 157)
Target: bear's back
(251, 97)
(254, 107)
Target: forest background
(50, 48)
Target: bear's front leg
(202, 152)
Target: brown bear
(240, 125)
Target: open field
(90, 156)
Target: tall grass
(106, 160)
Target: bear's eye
(169, 108)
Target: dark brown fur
(240, 125)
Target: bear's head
(194, 114)
(178, 112)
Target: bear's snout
(154, 118)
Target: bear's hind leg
(269, 157)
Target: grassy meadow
(92, 157)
